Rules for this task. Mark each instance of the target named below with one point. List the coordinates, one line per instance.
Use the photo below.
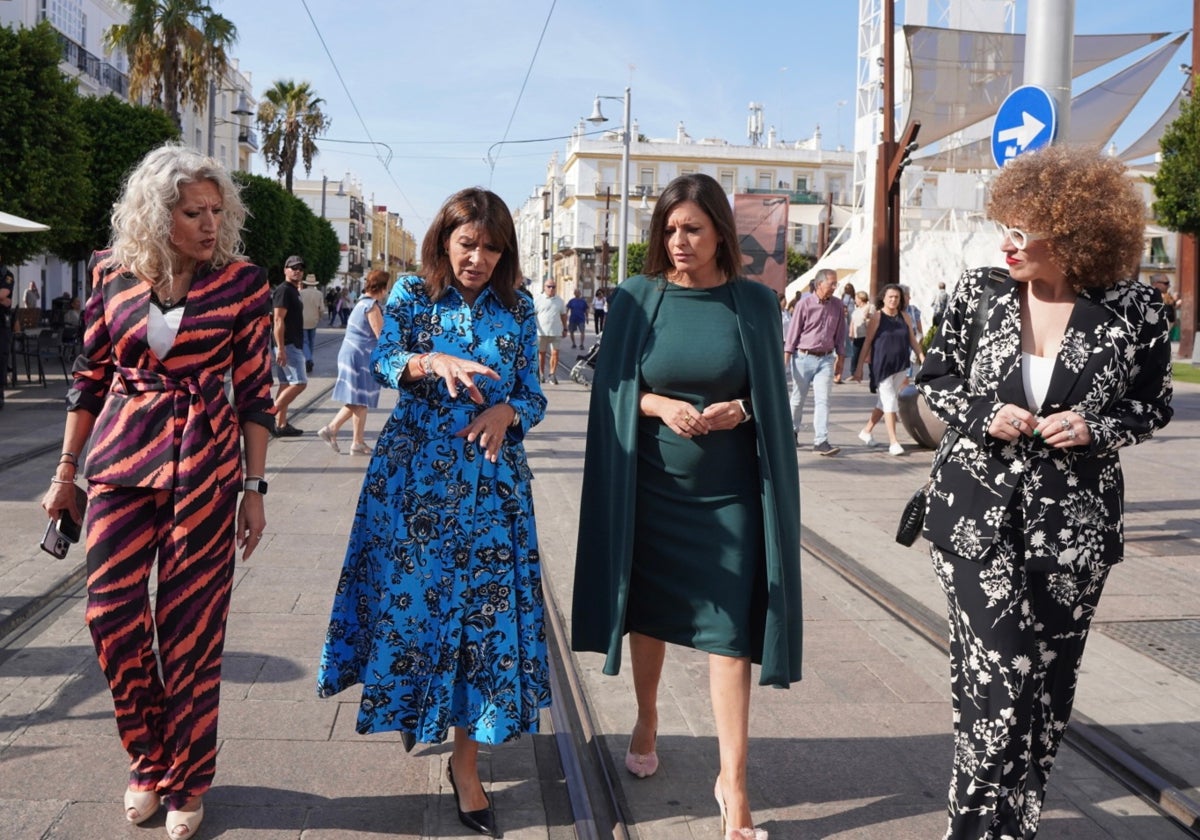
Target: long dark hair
(484, 208)
(709, 197)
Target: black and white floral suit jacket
(1113, 368)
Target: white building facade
(567, 228)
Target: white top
(549, 314)
(161, 329)
(1035, 376)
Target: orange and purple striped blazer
(167, 424)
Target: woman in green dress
(690, 487)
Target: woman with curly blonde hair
(1070, 363)
(174, 314)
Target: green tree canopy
(119, 135)
(43, 154)
(280, 224)
(797, 264)
(635, 258)
(290, 120)
(1177, 184)
(175, 48)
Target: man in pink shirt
(813, 351)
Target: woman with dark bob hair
(690, 484)
(1071, 363)
(438, 612)
(175, 315)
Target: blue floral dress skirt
(438, 611)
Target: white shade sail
(15, 224)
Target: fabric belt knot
(202, 414)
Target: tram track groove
(1137, 772)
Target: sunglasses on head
(1019, 237)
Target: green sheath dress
(698, 576)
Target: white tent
(15, 224)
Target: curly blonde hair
(141, 218)
(1084, 203)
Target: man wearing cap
(289, 369)
(314, 308)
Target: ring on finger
(1065, 423)
(1071, 434)
(1016, 424)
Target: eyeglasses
(1019, 237)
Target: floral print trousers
(1016, 642)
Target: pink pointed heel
(140, 805)
(642, 765)
(734, 833)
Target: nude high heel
(734, 833)
(140, 805)
(183, 825)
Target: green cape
(605, 549)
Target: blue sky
(441, 83)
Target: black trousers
(1016, 642)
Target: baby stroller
(585, 368)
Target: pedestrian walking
(314, 308)
(690, 486)
(577, 317)
(552, 328)
(890, 339)
(438, 612)
(813, 348)
(289, 369)
(859, 318)
(356, 386)
(599, 309)
(1025, 514)
(164, 468)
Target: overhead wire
(346, 88)
(517, 104)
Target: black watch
(255, 485)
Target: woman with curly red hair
(1024, 521)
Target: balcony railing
(249, 138)
(101, 71)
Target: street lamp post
(623, 241)
(242, 109)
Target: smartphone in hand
(68, 528)
(54, 542)
(64, 531)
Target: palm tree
(175, 49)
(290, 119)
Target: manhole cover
(1174, 643)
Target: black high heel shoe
(408, 740)
(482, 821)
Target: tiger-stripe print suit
(163, 475)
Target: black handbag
(912, 518)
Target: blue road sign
(1027, 120)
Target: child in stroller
(583, 369)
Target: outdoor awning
(810, 214)
(15, 224)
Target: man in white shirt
(552, 326)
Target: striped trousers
(165, 702)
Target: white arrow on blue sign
(1027, 120)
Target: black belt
(815, 352)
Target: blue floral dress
(439, 611)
